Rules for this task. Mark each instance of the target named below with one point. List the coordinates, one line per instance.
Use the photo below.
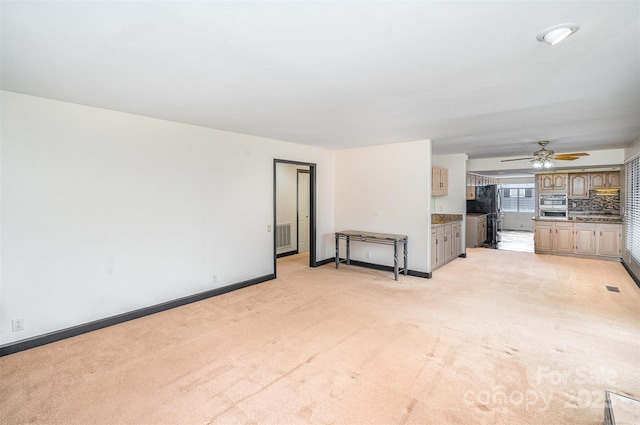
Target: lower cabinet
(592, 239)
(476, 230)
(446, 243)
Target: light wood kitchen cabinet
(476, 230)
(563, 237)
(474, 180)
(585, 238)
(608, 180)
(581, 239)
(439, 181)
(552, 183)
(609, 239)
(457, 238)
(445, 243)
(542, 236)
(434, 248)
(471, 193)
(579, 186)
(553, 236)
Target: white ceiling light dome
(555, 34)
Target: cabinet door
(434, 248)
(543, 236)
(471, 193)
(560, 182)
(448, 242)
(444, 180)
(435, 179)
(609, 236)
(440, 246)
(578, 186)
(481, 231)
(613, 179)
(563, 237)
(598, 180)
(545, 182)
(457, 239)
(585, 242)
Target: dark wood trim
(323, 262)
(463, 255)
(48, 338)
(286, 254)
(312, 210)
(380, 267)
(631, 272)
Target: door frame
(312, 210)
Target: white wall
(455, 202)
(395, 180)
(105, 212)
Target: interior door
(303, 210)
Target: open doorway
(294, 209)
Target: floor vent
(283, 235)
(613, 289)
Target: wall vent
(283, 235)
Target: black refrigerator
(488, 202)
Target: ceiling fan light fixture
(555, 34)
(548, 164)
(537, 164)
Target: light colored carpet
(497, 338)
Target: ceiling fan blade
(565, 158)
(518, 159)
(574, 154)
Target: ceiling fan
(543, 157)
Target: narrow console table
(381, 238)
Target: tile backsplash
(604, 203)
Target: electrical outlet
(268, 228)
(367, 254)
(17, 324)
(215, 279)
(377, 213)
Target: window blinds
(632, 201)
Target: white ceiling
(471, 76)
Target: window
(518, 197)
(632, 202)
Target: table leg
(348, 252)
(395, 259)
(406, 256)
(337, 251)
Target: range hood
(607, 192)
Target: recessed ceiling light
(555, 34)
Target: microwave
(553, 201)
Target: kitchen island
(580, 235)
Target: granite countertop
(585, 219)
(445, 218)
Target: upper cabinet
(474, 180)
(608, 180)
(553, 183)
(439, 181)
(579, 186)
